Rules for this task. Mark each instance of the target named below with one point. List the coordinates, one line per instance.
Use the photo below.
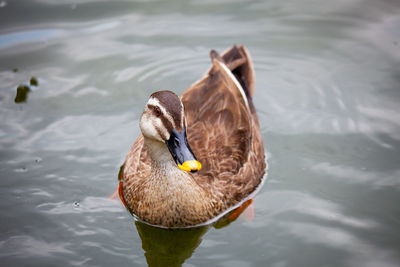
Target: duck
(198, 154)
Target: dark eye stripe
(172, 104)
(154, 108)
(160, 133)
(157, 112)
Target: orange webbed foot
(118, 192)
(236, 213)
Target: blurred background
(74, 78)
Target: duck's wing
(222, 123)
(138, 162)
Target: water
(327, 94)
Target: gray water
(327, 95)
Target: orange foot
(114, 195)
(248, 215)
(118, 192)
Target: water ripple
(25, 37)
(24, 246)
(88, 205)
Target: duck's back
(223, 129)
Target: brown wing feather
(223, 133)
(137, 163)
(219, 125)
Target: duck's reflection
(169, 247)
(172, 247)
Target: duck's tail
(238, 60)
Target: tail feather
(239, 62)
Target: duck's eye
(157, 111)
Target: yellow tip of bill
(190, 166)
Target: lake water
(327, 95)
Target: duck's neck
(161, 159)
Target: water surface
(327, 95)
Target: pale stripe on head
(163, 112)
(171, 106)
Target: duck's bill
(181, 152)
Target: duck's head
(163, 120)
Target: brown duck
(199, 154)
